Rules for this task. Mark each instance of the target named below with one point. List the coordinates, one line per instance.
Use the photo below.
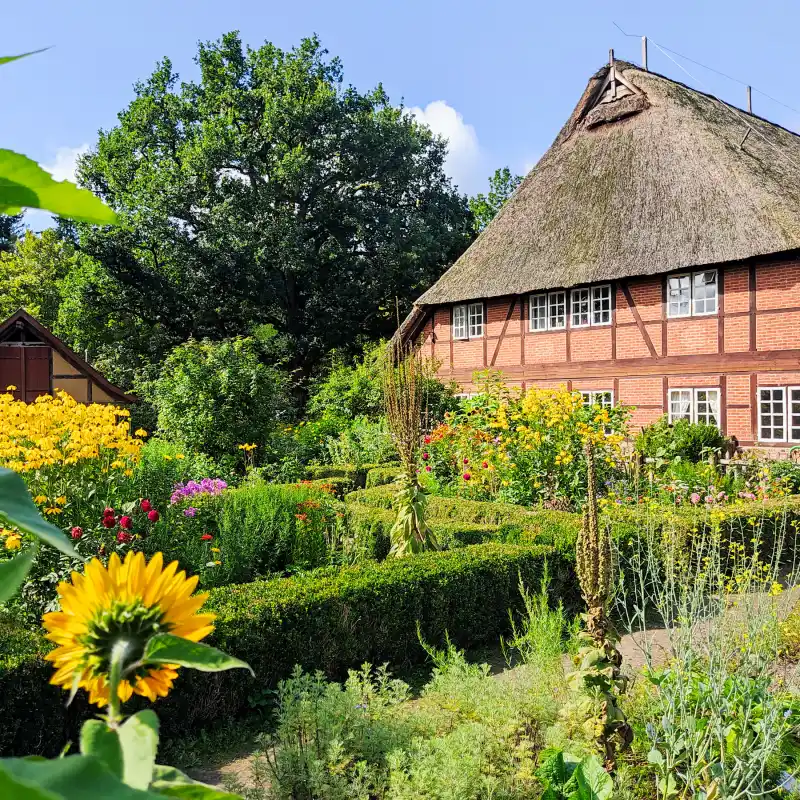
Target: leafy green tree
(213, 396)
(32, 274)
(11, 228)
(484, 207)
(266, 192)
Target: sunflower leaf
(24, 184)
(171, 782)
(17, 509)
(13, 572)
(98, 740)
(138, 737)
(164, 648)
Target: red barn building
(651, 258)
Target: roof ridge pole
(644, 53)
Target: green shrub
(691, 441)
(380, 476)
(163, 464)
(362, 442)
(258, 530)
(214, 396)
(787, 471)
(331, 620)
(338, 487)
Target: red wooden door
(11, 370)
(37, 372)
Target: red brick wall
(752, 351)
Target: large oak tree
(267, 191)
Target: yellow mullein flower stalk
(129, 600)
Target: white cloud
(63, 165)
(463, 162)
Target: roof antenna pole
(749, 101)
(644, 53)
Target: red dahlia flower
(467, 476)
(108, 522)
(125, 522)
(123, 537)
(426, 456)
(76, 532)
(108, 512)
(206, 537)
(153, 515)
(145, 505)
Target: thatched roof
(656, 180)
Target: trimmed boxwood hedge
(357, 475)
(381, 476)
(331, 619)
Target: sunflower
(128, 600)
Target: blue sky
(499, 79)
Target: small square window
(538, 312)
(580, 308)
(460, 330)
(704, 292)
(557, 310)
(601, 305)
(475, 320)
(679, 296)
(603, 398)
(680, 404)
(707, 406)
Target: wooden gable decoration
(37, 362)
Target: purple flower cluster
(206, 486)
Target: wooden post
(644, 53)
(749, 101)
(613, 74)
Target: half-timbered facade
(651, 258)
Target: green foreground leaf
(138, 737)
(17, 509)
(164, 648)
(98, 740)
(24, 184)
(70, 778)
(594, 783)
(13, 573)
(9, 59)
(171, 782)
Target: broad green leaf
(171, 782)
(138, 736)
(98, 740)
(70, 778)
(9, 59)
(594, 783)
(13, 572)
(17, 508)
(164, 648)
(22, 790)
(24, 184)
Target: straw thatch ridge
(661, 182)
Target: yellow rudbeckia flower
(131, 599)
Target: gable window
(603, 398)
(779, 413)
(591, 306)
(696, 405)
(692, 294)
(468, 321)
(548, 312)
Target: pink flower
(124, 538)
(76, 532)
(466, 460)
(152, 515)
(125, 522)
(425, 456)
(427, 468)
(485, 465)
(206, 537)
(709, 499)
(467, 476)
(145, 505)
(694, 498)
(108, 512)
(427, 440)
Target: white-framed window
(475, 320)
(779, 413)
(548, 312)
(538, 312)
(468, 321)
(580, 308)
(696, 405)
(557, 314)
(692, 294)
(601, 304)
(603, 398)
